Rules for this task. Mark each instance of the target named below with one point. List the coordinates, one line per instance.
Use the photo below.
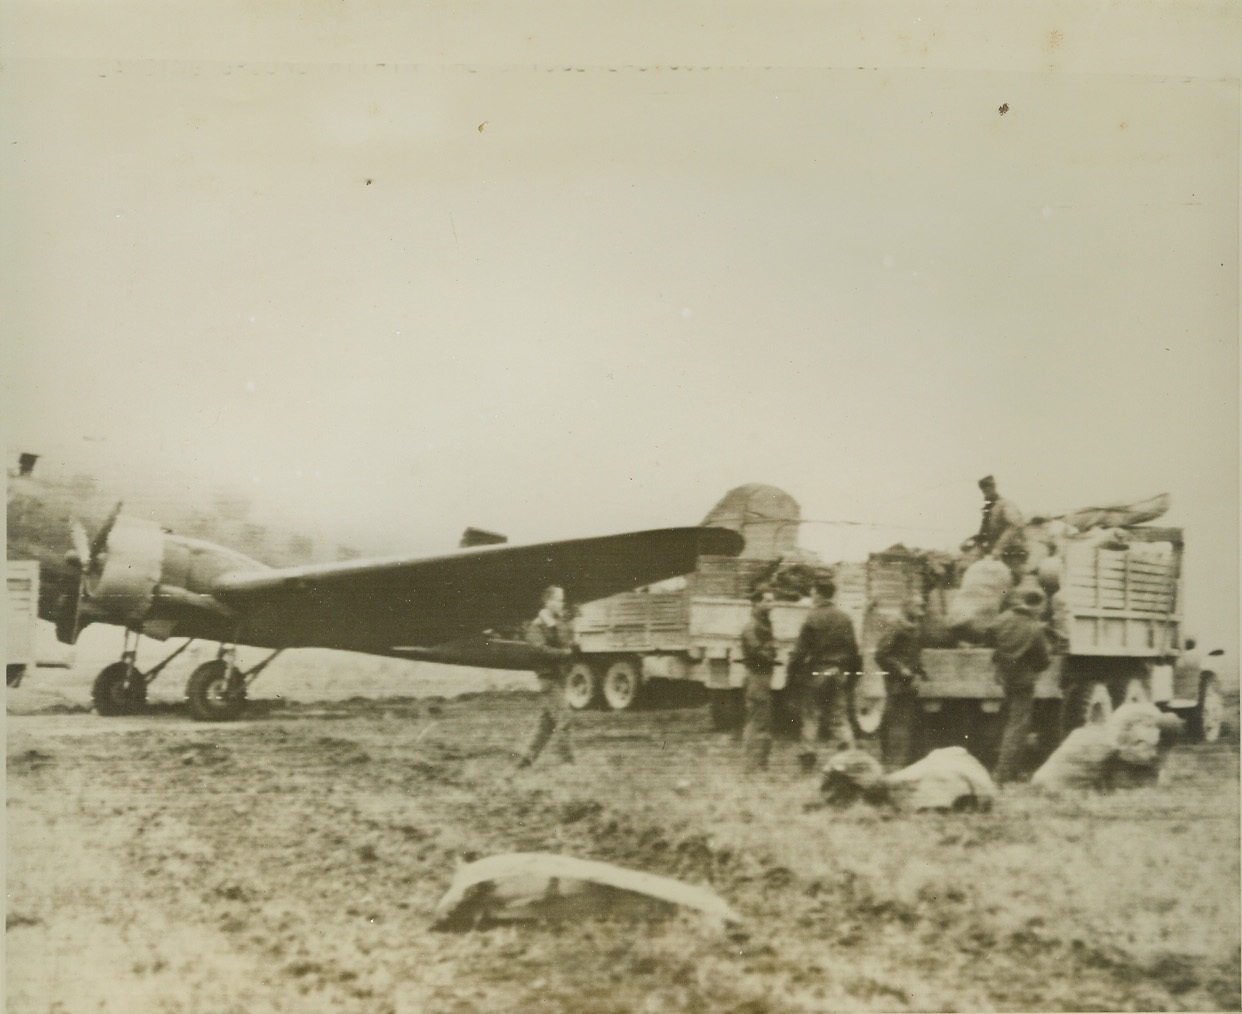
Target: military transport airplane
(147, 580)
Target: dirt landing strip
(292, 862)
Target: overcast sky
(401, 270)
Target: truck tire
(1205, 721)
(1089, 703)
(1135, 691)
(727, 708)
(582, 686)
(622, 684)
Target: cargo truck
(1121, 625)
(691, 632)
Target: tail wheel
(119, 689)
(1092, 703)
(622, 683)
(582, 686)
(210, 697)
(1208, 718)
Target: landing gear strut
(216, 691)
(121, 688)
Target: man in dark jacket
(825, 664)
(900, 655)
(551, 634)
(1021, 654)
(759, 657)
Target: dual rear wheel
(615, 683)
(1092, 701)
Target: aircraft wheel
(622, 683)
(1206, 720)
(582, 686)
(13, 675)
(209, 694)
(119, 689)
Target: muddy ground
(291, 862)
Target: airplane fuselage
(148, 579)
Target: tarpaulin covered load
(1118, 515)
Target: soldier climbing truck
(1118, 609)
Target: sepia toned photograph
(621, 509)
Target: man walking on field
(550, 633)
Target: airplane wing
(398, 605)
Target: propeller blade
(101, 538)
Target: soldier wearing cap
(899, 654)
(1021, 654)
(1002, 528)
(826, 665)
(759, 657)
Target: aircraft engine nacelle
(120, 585)
(141, 577)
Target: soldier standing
(1021, 655)
(1001, 528)
(550, 633)
(900, 655)
(759, 657)
(826, 664)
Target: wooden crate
(726, 576)
(1122, 601)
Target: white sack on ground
(1127, 751)
(946, 779)
(851, 775)
(1079, 762)
(525, 886)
